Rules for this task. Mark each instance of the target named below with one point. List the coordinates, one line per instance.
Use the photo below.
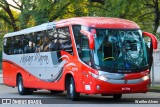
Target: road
(9, 92)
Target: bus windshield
(120, 50)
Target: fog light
(98, 87)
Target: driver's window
(85, 51)
(149, 46)
(148, 42)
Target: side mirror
(154, 40)
(90, 38)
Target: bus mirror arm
(153, 38)
(90, 37)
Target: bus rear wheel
(71, 90)
(117, 96)
(21, 89)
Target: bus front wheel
(21, 89)
(117, 96)
(71, 90)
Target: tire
(55, 91)
(117, 96)
(21, 89)
(71, 91)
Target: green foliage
(4, 21)
(1, 42)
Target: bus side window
(82, 44)
(52, 39)
(40, 41)
(8, 49)
(27, 47)
(16, 45)
(23, 42)
(77, 36)
(65, 40)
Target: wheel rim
(20, 86)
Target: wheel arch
(67, 79)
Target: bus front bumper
(103, 87)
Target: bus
(88, 55)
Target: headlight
(93, 75)
(145, 78)
(100, 77)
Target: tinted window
(7, 42)
(82, 43)
(65, 40)
(40, 41)
(55, 39)
(58, 39)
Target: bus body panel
(9, 73)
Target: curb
(154, 90)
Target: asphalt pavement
(91, 100)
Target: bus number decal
(74, 69)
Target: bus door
(151, 44)
(86, 56)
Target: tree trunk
(8, 11)
(157, 17)
(13, 22)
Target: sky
(11, 2)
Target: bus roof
(97, 22)
(102, 22)
(42, 27)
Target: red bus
(90, 55)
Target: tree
(25, 7)
(98, 1)
(145, 12)
(4, 17)
(63, 8)
(6, 7)
(154, 7)
(34, 12)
